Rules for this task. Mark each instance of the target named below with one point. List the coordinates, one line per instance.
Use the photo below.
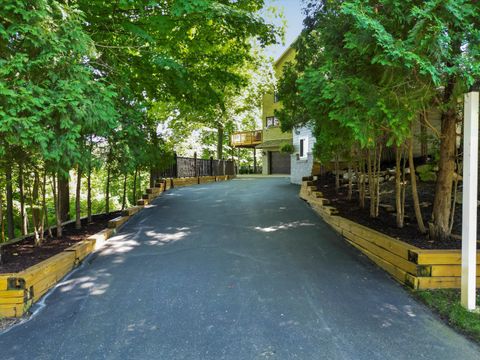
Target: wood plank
(4, 280)
(102, 236)
(154, 191)
(180, 182)
(117, 222)
(148, 197)
(395, 246)
(7, 294)
(443, 282)
(10, 311)
(142, 202)
(321, 211)
(12, 300)
(132, 211)
(60, 261)
(207, 179)
(382, 253)
(438, 257)
(41, 285)
(449, 270)
(82, 249)
(397, 273)
(12, 297)
(63, 257)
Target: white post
(469, 221)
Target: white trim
(469, 207)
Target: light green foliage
(87, 85)
(48, 90)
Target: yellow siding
(269, 106)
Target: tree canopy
(80, 81)
(369, 69)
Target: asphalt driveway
(235, 270)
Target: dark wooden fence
(192, 167)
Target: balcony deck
(247, 139)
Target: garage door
(279, 163)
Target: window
(272, 121)
(275, 97)
(303, 148)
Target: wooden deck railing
(247, 138)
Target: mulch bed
(19, 256)
(386, 222)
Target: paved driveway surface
(234, 270)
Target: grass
(447, 304)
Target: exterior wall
(268, 109)
(265, 164)
(269, 106)
(302, 167)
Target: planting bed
(409, 264)
(386, 222)
(23, 254)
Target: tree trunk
(107, 192)
(423, 137)
(45, 209)
(44, 212)
(377, 171)
(78, 209)
(361, 181)
(2, 223)
(89, 193)
(442, 203)
(220, 142)
(10, 219)
(57, 194)
(413, 179)
(152, 177)
(337, 174)
(373, 165)
(21, 193)
(63, 196)
(135, 186)
(350, 181)
(124, 197)
(400, 216)
(36, 208)
(371, 185)
(89, 182)
(34, 215)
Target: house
(275, 161)
(302, 159)
(270, 140)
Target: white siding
(302, 167)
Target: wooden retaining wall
(20, 290)
(180, 182)
(408, 264)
